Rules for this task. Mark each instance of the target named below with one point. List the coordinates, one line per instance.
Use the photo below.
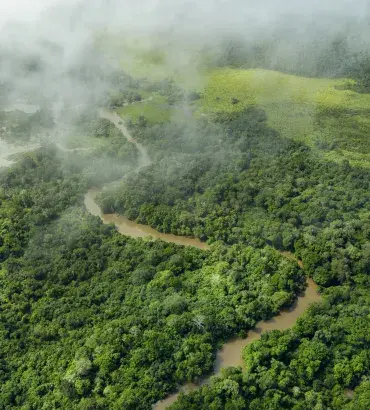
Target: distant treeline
(335, 59)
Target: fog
(49, 55)
(22, 10)
(62, 63)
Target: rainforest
(185, 206)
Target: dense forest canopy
(257, 144)
(69, 281)
(241, 182)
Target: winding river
(113, 117)
(230, 354)
(135, 230)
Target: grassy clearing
(156, 58)
(317, 111)
(156, 110)
(82, 141)
(153, 113)
(322, 113)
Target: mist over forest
(184, 204)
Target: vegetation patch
(299, 108)
(151, 112)
(313, 110)
(94, 319)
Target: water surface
(231, 353)
(135, 230)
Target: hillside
(184, 213)
(320, 112)
(325, 113)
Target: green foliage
(241, 182)
(123, 98)
(323, 113)
(312, 365)
(92, 318)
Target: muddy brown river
(135, 230)
(114, 118)
(231, 353)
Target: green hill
(322, 112)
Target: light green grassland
(82, 141)
(153, 113)
(317, 111)
(154, 108)
(323, 113)
(156, 58)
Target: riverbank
(231, 353)
(130, 228)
